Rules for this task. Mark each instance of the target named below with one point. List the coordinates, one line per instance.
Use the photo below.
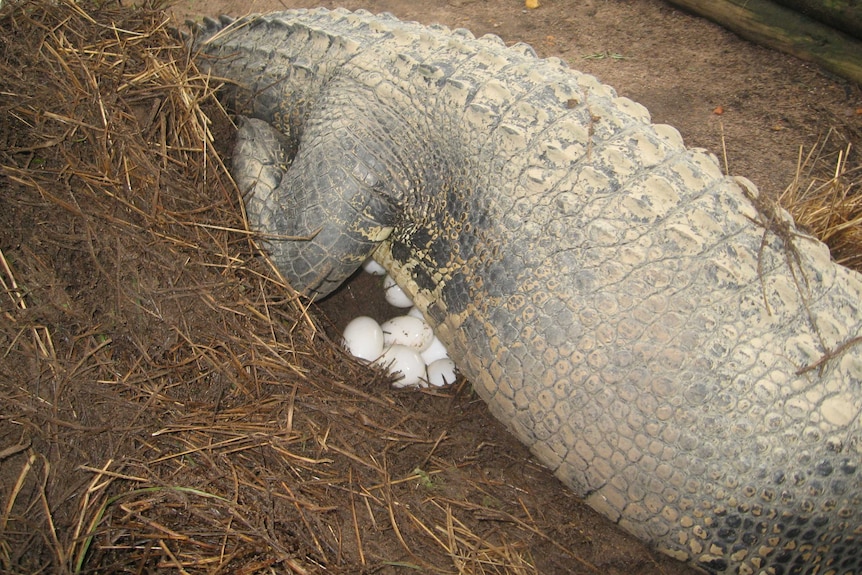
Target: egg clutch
(404, 345)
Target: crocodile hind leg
(321, 213)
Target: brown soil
(305, 462)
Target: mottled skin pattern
(625, 309)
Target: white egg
(409, 331)
(363, 338)
(406, 360)
(372, 267)
(414, 312)
(434, 351)
(394, 294)
(441, 372)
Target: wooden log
(844, 15)
(769, 24)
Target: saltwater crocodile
(674, 349)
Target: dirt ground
(751, 105)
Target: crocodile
(662, 337)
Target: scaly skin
(641, 321)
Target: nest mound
(152, 361)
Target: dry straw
(824, 199)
